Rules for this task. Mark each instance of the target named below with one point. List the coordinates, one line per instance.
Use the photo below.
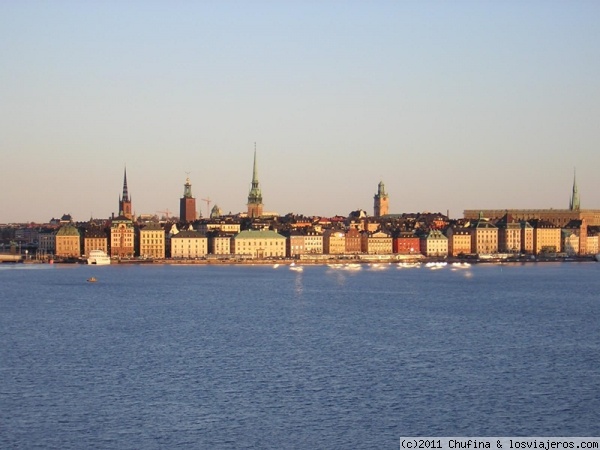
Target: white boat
(98, 257)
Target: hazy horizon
(453, 105)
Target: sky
(453, 105)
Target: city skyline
(453, 106)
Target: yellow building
(258, 244)
(459, 241)
(434, 243)
(152, 241)
(189, 244)
(484, 237)
(546, 237)
(219, 243)
(334, 242)
(94, 239)
(68, 242)
(377, 243)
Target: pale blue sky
(454, 105)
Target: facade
(434, 243)
(509, 235)
(526, 238)
(124, 200)
(377, 243)
(558, 217)
(546, 237)
(122, 238)
(219, 243)
(47, 243)
(406, 243)
(569, 242)
(226, 226)
(68, 242)
(459, 241)
(94, 238)
(152, 241)
(592, 244)
(353, 241)
(380, 201)
(313, 242)
(255, 204)
(334, 242)
(484, 237)
(258, 244)
(189, 244)
(187, 204)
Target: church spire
(255, 196)
(125, 197)
(574, 204)
(125, 200)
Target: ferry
(98, 257)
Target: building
(255, 202)
(124, 200)
(376, 243)
(334, 242)
(380, 201)
(434, 243)
(152, 241)
(484, 237)
(406, 243)
(219, 242)
(570, 241)
(509, 234)
(303, 242)
(353, 241)
(94, 238)
(68, 242)
(187, 204)
(189, 244)
(546, 237)
(224, 225)
(122, 237)
(258, 244)
(526, 237)
(459, 241)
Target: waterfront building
(122, 237)
(406, 243)
(125, 200)
(569, 241)
(258, 244)
(435, 244)
(526, 237)
(509, 234)
(484, 237)
(303, 242)
(68, 241)
(459, 241)
(334, 242)
(189, 244)
(94, 238)
(46, 242)
(380, 201)
(219, 242)
(376, 243)
(187, 204)
(353, 241)
(546, 237)
(255, 202)
(592, 244)
(152, 241)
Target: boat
(92, 280)
(598, 257)
(98, 257)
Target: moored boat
(98, 257)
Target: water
(256, 357)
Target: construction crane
(208, 202)
(165, 213)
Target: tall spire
(255, 196)
(125, 197)
(574, 204)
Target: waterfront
(255, 357)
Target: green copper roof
(68, 230)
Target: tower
(574, 203)
(187, 204)
(124, 200)
(381, 201)
(255, 204)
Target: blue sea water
(218, 357)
